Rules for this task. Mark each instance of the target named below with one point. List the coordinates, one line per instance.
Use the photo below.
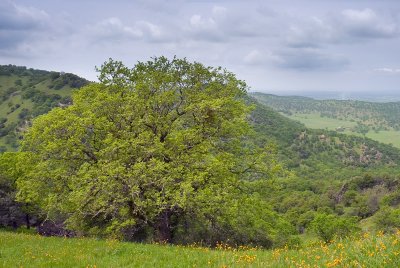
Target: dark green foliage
(66, 79)
(12, 213)
(388, 219)
(24, 114)
(329, 226)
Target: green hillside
(300, 145)
(347, 175)
(26, 93)
(378, 121)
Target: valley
(375, 120)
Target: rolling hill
(26, 93)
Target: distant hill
(26, 93)
(315, 149)
(376, 120)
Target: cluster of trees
(13, 213)
(61, 80)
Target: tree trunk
(27, 220)
(163, 227)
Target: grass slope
(27, 93)
(24, 250)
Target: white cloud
(365, 15)
(299, 59)
(388, 70)
(219, 11)
(221, 24)
(199, 22)
(256, 57)
(153, 30)
(113, 28)
(203, 29)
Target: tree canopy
(160, 151)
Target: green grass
(314, 120)
(27, 250)
(22, 250)
(386, 136)
(12, 117)
(44, 87)
(9, 81)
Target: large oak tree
(159, 150)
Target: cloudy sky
(274, 45)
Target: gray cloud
(310, 60)
(19, 23)
(366, 23)
(271, 42)
(15, 17)
(348, 26)
(299, 59)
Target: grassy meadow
(28, 250)
(314, 120)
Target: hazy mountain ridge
(377, 96)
